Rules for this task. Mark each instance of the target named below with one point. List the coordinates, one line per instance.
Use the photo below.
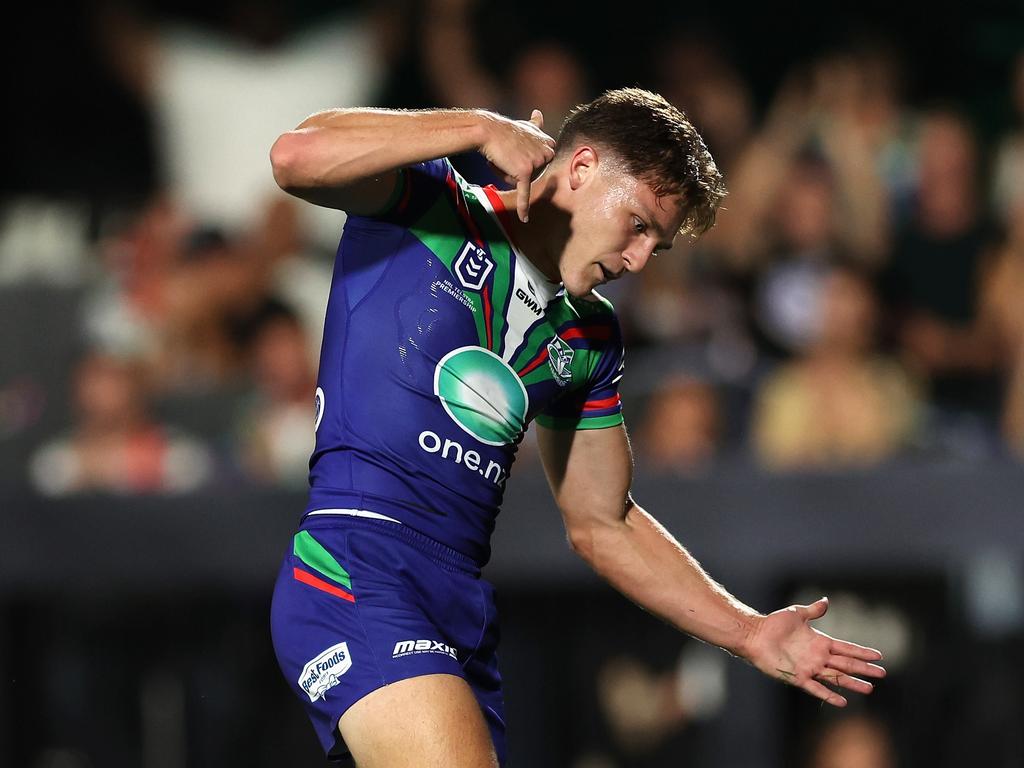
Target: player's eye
(639, 226)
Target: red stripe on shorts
(323, 586)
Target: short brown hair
(657, 144)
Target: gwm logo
(482, 394)
(560, 360)
(472, 267)
(529, 301)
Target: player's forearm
(642, 560)
(338, 147)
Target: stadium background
(826, 394)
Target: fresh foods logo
(322, 673)
(482, 394)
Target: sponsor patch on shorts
(323, 672)
(413, 647)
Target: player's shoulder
(592, 306)
(442, 175)
(440, 169)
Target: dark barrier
(133, 630)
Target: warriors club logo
(560, 359)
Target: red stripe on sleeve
(596, 405)
(596, 332)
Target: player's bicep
(589, 470)
(366, 197)
(307, 164)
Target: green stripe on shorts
(312, 553)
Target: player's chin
(581, 289)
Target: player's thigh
(420, 722)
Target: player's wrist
(746, 641)
(485, 126)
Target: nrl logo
(472, 266)
(560, 360)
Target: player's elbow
(581, 540)
(287, 161)
(591, 530)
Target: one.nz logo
(473, 266)
(560, 360)
(323, 672)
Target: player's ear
(582, 166)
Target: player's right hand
(785, 646)
(518, 149)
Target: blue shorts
(362, 603)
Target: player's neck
(542, 237)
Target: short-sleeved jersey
(442, 342)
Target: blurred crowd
(859, 300)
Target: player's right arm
(349, 158)
(590, 472)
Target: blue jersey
(441, 343)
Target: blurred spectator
(645, 708)
(221, 97)
(868, 135)
(114, 445)
(544, 74)
(455, 74)
(127, 304)
(696, 75)
(640, 705)
(684, 313)
(294, 273)
(547, 76)
(936, 271)
(853, 741)
(680, 431)
(846, 108)
(841, 404)
(209, 296)
(1002, 311)
(803, 245)
(1008, 176)
(179, 297)
(275, 432)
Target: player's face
(617, 226)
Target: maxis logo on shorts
(323, 672)
(412, 647)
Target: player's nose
(635, 258)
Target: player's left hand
(518, 150)
(785, 646)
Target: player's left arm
(590, 472)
